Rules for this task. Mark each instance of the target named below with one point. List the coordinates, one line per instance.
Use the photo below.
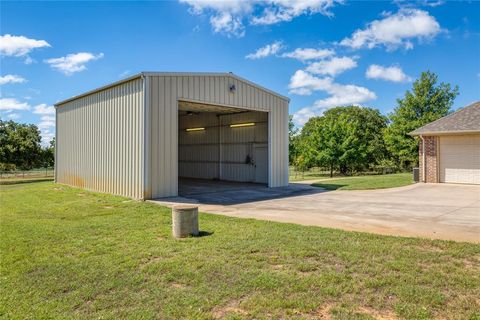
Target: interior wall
(219, 151)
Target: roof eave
(143, 74)
(113, 84)
(443, 133)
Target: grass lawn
(68, 253)
(367, 182)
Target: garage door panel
(460, 159)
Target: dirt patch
(324, 311)
(472, 264)
(233, 307)
(178, 285)
(379, 315)
(277, 266)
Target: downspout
(424, 166)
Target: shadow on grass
(204, 234)
(20, 181)
(328, 186)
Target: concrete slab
(438, 211)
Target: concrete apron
(435, 211)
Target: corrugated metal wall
(100, 140)
(220, 151)
(198, 151)
(164, 93)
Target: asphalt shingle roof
(466, 120)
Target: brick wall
(431, 158)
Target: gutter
(443, 133)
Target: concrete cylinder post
(184, 221)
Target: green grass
(68, 253)
(367, 182)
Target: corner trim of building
(56, 147)
(147, 190)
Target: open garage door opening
(221, 147)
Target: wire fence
(322, 172)
(27, 174)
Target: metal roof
(193, 74)
(465, 120)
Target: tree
(346, 139)
(292, 140)
(49, 154)
(20, 145)
(427, 102)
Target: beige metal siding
(460, 159)
(164, 93)
(100, 140)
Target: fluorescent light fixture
(194, 129)
(238, 125)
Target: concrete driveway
(439, 211)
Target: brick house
(449, 148)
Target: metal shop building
(142, 136)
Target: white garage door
(460, 159)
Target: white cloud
(11, 78)
(44, 109)
(46, 127)
(305, 54)
(228, 24)
(124, 74)
(333, 66)
(29, 60)
(285, 10)
(395, 30)
(11, 104)
(268, 50)
(339, 94)
(301, 116)
(47, 136)
(19, 46)
(392, 73)
(228, 17)
(303, 83)
(47, 122)
(343, 95)
(74, 62)
(433, 3)
(12, 116)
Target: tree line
(21, 148)
(353, 139)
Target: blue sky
(320, 53)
